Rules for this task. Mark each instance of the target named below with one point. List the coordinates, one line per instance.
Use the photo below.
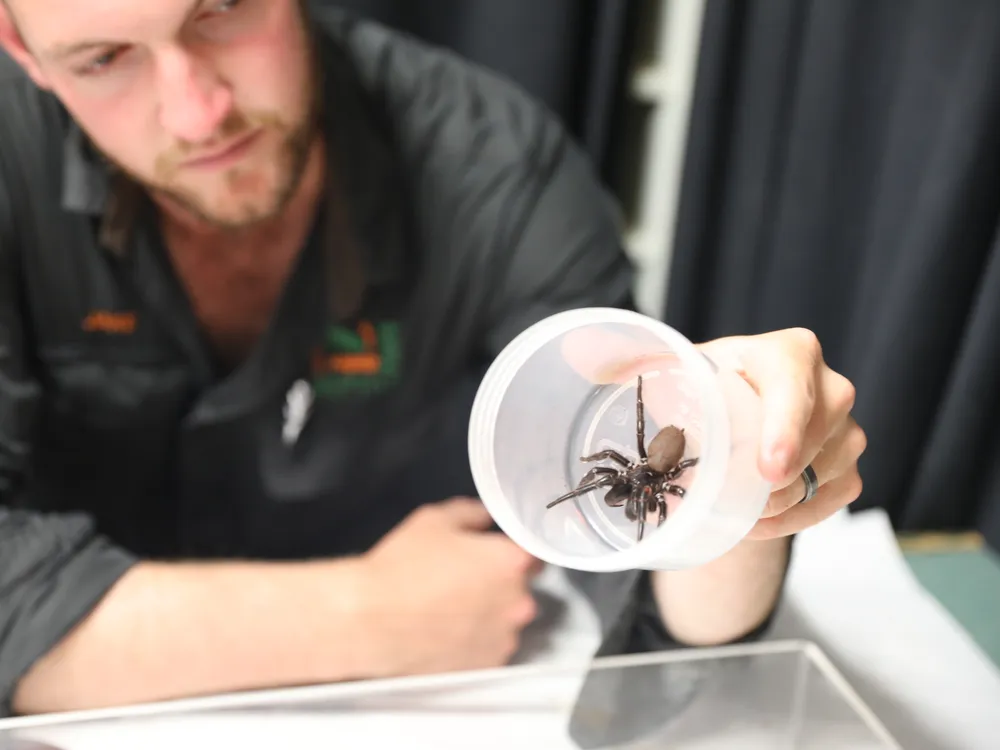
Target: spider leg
(618, 495)
(680, 468)
(652, 501)
(640, 421)
(661, 506)
(602, 482)
(610, 453)
(674, 489)
(595, 473)
(644, 497)
(632, 505)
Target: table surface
(962, 573)
(871, 601)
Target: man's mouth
(224, 156)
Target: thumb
(466, 513)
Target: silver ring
(812, 483)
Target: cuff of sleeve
(647, 631)
(630, 616)
(55, 607)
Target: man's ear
(13, 44)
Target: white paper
(851, 591)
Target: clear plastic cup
(566, 388)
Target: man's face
(210, 102)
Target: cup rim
(500, 374)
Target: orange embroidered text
(103, 321)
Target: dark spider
(640, 486)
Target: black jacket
(471, 215)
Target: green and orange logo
(359, 361)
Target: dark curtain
(843, 174)
(571, 54)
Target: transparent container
(764, 696)
(566, 389)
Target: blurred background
(793, 163)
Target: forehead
(56, 24)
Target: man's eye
(101, 63)
(225, 6)
(229, 15)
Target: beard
(287, 166)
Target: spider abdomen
(666, 449)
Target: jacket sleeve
(53, 568)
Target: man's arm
(83, 624)
(53, 568)
(176, 630)
(726, 599)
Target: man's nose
(193, 98)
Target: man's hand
(807, 420)
(445, 593)
(806, 413)
(438, 593)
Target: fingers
(524, 610)
(784, 370)
(806, 410)
(605, 356)
(535, 566)
(831, 497)
(513, 558)
(831, 418)
(805, 402)
(838, 456)
(471, 515)
(464, 512)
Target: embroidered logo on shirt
(107, 321)
(359, 361)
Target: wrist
(751, 558)
(336, 605)
(724, 599)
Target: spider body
(640, 486)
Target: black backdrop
(843, 174)
(571, 54)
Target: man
(254, 260)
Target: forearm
(175, 630)
(725, 599)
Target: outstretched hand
(806, 417)
(806, 421)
